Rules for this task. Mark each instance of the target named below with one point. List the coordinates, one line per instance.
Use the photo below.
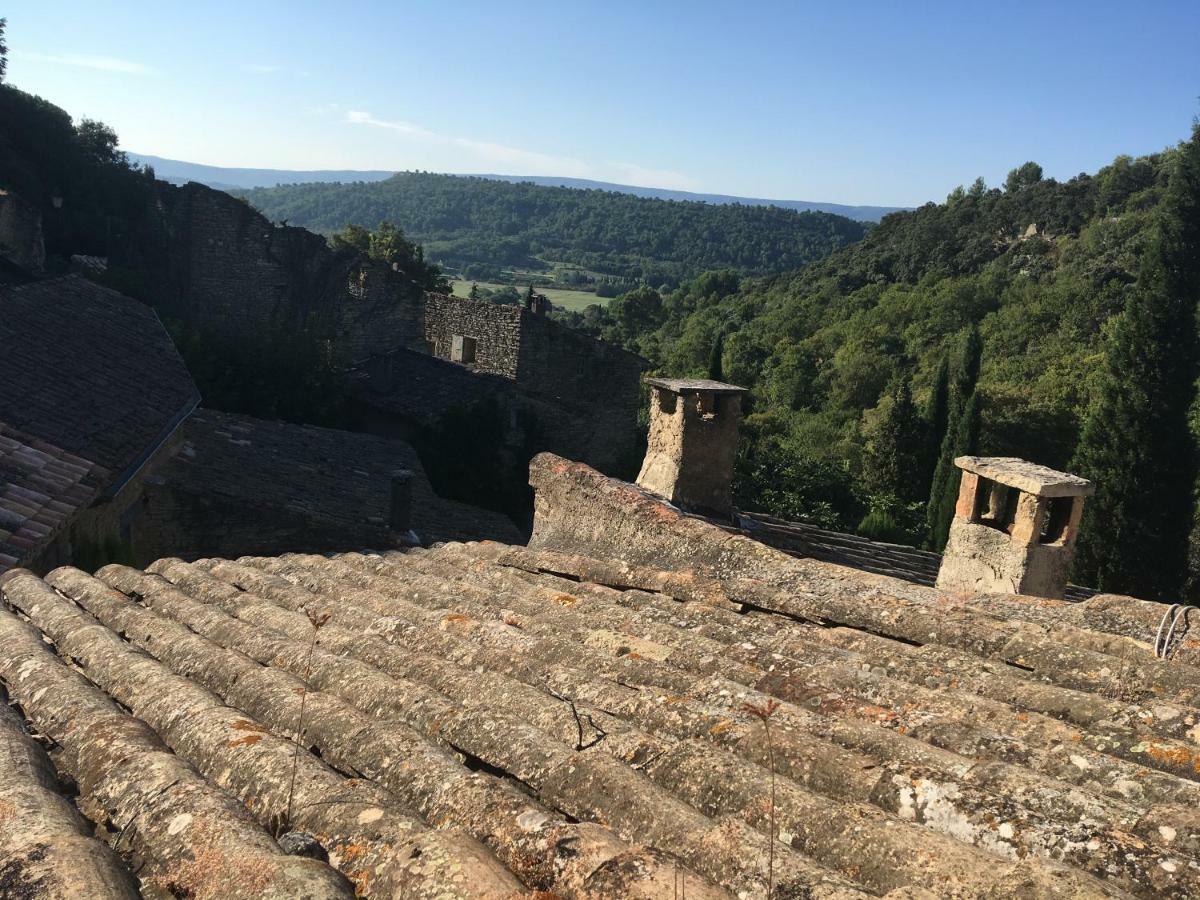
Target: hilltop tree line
(1049, 320)
(463, 221)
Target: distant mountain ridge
(227, 178)
(858, 213)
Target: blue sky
(889, 103)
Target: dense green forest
(988, 324)
(480, 227)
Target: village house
(104, 453)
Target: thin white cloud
(81, 61)
(517, 161)
(269, 69)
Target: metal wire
(1176, 613)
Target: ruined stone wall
(381, 312)
(566, 365)
(224, 266)
(596, 385)
(227, 266)
(21, 233)
(495, 329)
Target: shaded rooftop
(90, 371)
(338, 479)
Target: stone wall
(496, 330)
(227, 266)
(596, 386)
(565, 365)
(380, 312)
(224, 266)
(21, 233)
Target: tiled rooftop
(421, 387)
(484, 720)
(125, 385)
(333, 478)
(41, 487)
(878, 557)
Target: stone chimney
(1014, 528)
(693, 442)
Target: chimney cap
(694, 385)
(1026, 476)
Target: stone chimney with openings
(693, 443)
(1014, 528)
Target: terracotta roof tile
(587, 716)
(37, 496)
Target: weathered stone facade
(495, 330)
(1014, 528)
(223, 267)
(381, 312)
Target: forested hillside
(479, 227)
(994, 322)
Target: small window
(462, 349)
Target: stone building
(21, 246)
(222, 267)
(104, 453)
(565, 391)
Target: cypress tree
(894, 460)
(1136, 443)
(716, 370)
(963, 441)
(966, 373)
(937, 412)
(961, 438)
